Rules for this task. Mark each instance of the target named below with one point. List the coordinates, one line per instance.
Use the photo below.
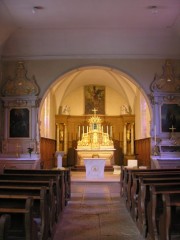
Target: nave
(96, 212)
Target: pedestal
(94, 167)
(59, 155)
(117, 169)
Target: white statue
(66, 110)
(125, 109)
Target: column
(57, 138)
(125, 138)
(65, 138)
(111, 132)
(79, 133)
(132, 138)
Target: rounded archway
(120, 90)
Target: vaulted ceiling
(90, 28)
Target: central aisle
(96, 212)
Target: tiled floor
(96, 212)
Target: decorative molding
(21, 85)
(167, 82)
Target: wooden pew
(133, 184)
(5, 220)
(65, 172)
(169, 222)
(49, 184)
(41, 210)
(155, 206)
(41, 177)
(126, 179)
(138, 194)
(140, 190)
(20, 210)
(147, 202)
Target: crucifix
(172, 132)
(94, 110)
(172, 129)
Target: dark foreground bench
(169, 221)
(65, 173)
(41, 210)
(22, 226)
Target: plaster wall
(49, 70)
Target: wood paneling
(48, 149)
(143, 151)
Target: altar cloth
(94, 167)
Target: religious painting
(170, 117)
(94, 99)
(19, 123)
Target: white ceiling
(90, 28)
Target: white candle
(155, 134)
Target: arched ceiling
(103, 76)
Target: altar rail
(19, 164)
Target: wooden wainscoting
(143, 151)
(48, 149)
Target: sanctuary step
(169, 163)
(82, 168)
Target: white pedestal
(59, 156)
(94, 167)
(117, 169)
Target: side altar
(20, 141)
(95, 143)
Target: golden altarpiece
(96, 136)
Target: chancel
(96, 142)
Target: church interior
(90, 91)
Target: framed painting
(94, 98)
(170, 117)
(19, 123)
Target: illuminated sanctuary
(96, 142)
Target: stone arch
(69, 80)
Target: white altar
(94, 167)
(108, 155)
